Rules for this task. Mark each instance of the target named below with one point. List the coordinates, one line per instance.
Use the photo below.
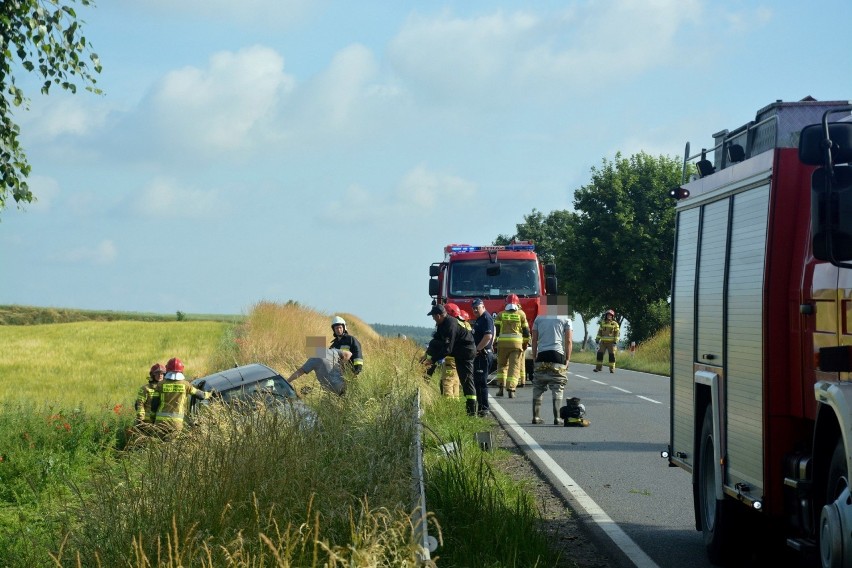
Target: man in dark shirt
(346, 342)
(453, 339)
(483, 337)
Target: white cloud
(345, 82)
(503, 55)
(419, 195)
(745, 21)
(223, 107)
(104, 252)
(425, 190)
(64, 114)
(164, 197)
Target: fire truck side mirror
(433, 287)
(550, 285)
(550, 269)
(831, 214)
(812, 143)
(434, 270)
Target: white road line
(599, 382)
(618, 536)
(622, 390)
(649, 399)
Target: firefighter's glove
(357, 369)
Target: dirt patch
(564, 530)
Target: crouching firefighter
(452, 339)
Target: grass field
(240, 490)
(96, 364)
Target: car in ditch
(246, 386)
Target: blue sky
(326, 151)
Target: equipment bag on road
(573, 413)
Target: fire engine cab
(761, 390)
(492, 272)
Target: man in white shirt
(552, 344)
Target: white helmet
(337, 320)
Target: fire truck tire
(832, 520)
(719, 518)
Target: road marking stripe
(618, 536)
(622, 390)
(649, 399)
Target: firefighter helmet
(174, 365)
(337, 320)
(464, 315)
(453, 310)
(158, 368)
(610, 313)
(512, 299)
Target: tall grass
(249, 488)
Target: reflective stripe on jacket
(511, 327)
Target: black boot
(537, 412)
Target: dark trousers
(481, 367)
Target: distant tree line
(420, 335)
(615, 249)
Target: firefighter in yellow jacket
(144, 412)
(513, 332)
(173, 400)
(607, 340)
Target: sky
(326, 151)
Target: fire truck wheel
(719, 518)
(832, 519)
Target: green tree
(624, 235)
(553, 235)
(45, 38)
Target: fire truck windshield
(472, 278)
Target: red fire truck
(492, 272)
(761, 398)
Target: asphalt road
(639, 508)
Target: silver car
(252, 384)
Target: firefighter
(345, 342)
(173, 399)
(453, 339)
(607, 340)
(512, 332)
(450, 383)
(552, 343)
(142, 405)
